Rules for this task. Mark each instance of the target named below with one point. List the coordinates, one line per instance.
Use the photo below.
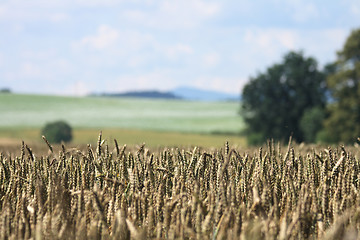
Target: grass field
(91, 112)
(157, 122)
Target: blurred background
(162, 72)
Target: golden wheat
(141, 193)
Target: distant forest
(5, 90)
(141, 94)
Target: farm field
(33, 111)
(178, 185)
(14, 136)
(156, 122)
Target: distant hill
(185, 93)
(196, 94)
(142, 94)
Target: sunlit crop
(118, 192)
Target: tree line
(296, 98)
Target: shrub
(58, 131)
(5, 90)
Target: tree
(56, 132)
(5, 90)
(343, 123)
(311, 122)
(274, 102)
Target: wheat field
(109, 191)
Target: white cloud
(59, 17)
(96, 3)
(202, 8)
(265, 47)
(42, 55)
(132, 48)
(79, 88)
(41, 69)
(62, 66)
(23, 11)
(120, 43)
(177, 50)
(355, 9)
(105, 37)
(226, 84)
(300, 11)
(304, 12)
(323, 44)
(134, 15)
(279, 40)
(3, 10)
(175, 14)
(211, 59)
(56, 4)
(30, 70)
(135, 40)
(137, 60)
(271, 41)
(156, 80)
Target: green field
(159, 122)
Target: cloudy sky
(74, 47)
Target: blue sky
(74, 47)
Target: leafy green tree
(311, 122)
(56, 132)
(343, 123)
(274, 102)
